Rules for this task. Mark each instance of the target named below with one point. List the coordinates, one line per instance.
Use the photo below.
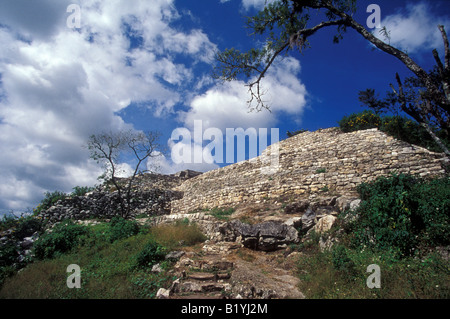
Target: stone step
(206, 276)
(191, 286)
(202, 276)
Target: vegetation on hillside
(398, 226)
(399, 127)
(115, 258)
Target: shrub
(342, 262)
(360, 121)
(121, 228)
(177, 234)
(150, 255)
(222, 214)
(62, 239)
(27, 226)
(8, 221)
(81, 190)
(401, 212)
(49, 200)
(399, 127)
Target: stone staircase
(226, 270)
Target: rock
(265, 236)
(297, 207)
(26, 243)
(343, 203)
(157, 269)
(308, 219)
(295, 222)
(163, 293)
(202, 276)
(355, 204)
(189, 286)
(175, 255)
(324, 224)
(175, 287)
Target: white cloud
(225, 105)
(257, 4)
(61, 85)
(414, 29)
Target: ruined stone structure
(309, 163)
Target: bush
(150, 255)
(27, 226)
(360, 121)
(402, 212)
(400, 127)
(222, 213)
(178, 234)
(81, 191)
(121, 228)
(62, 239)
(49, 200)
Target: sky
(147, 66)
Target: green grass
(400, 222)
(222, 213)
(325, 275)
(108, 269)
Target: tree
(284, 23)
(412, 98)
(107, 149)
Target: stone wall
(309, 163)
(153, 202)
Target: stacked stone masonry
(312, 162)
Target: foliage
(121, 228)
(180, 233)
(360, 121)
(291, 134)
(342, 273)
(50, 199)
(111, 149)
(81, 190)
(399, 127)
(150, 255)
(27, 226)
(62, 239)
(401, 212)
(8, 222)
(222, 213)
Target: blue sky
(147, 65)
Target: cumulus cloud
(59, 85)
(225, 105)
(414, 28)
(257, 4)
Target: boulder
(175, 255)
(297, 207)
(308, 219)
(267, 236)
(163, 294)
(324, 224)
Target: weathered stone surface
(175, 255)
(151, 202)
(266, 236)
(324, 224)
(308, 219)
(297, 207)
(309, 163)
(163, 293)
